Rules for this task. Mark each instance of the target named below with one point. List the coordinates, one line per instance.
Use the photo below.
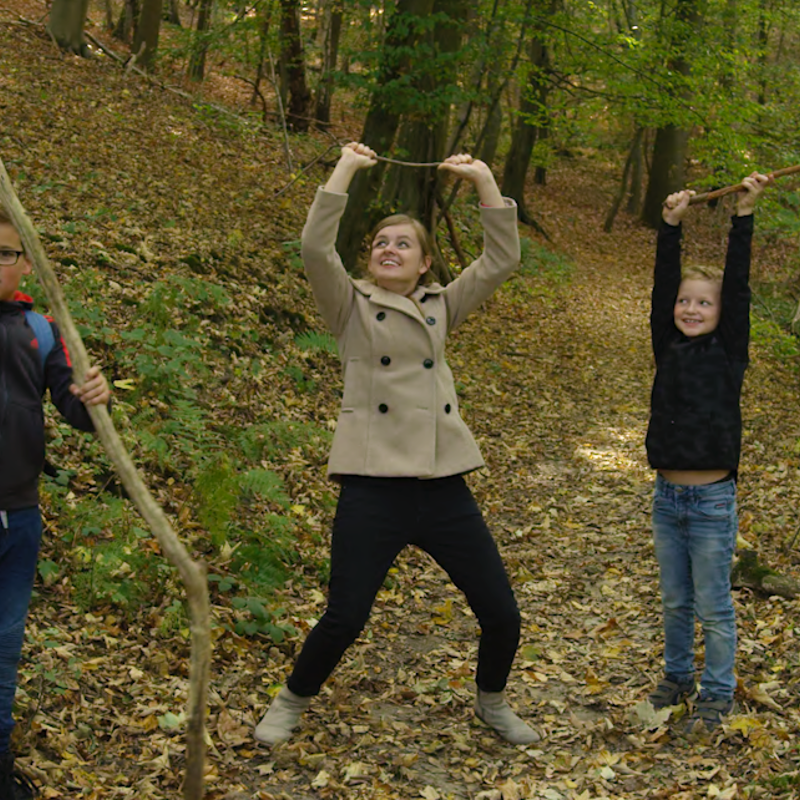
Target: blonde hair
(702, 272)
(5, 219)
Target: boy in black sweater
(33, 358)
(700, 326)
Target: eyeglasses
(10, 257)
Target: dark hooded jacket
(23, 382)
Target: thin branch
(281, 111)
(305, 169)
(739, 187)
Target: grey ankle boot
(495, 711)
(282, 717)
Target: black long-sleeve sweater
(695, 420)
(23, 380)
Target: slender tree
(146, 39)
(332, 26)
(197, 59)
(293, 67)
(669, 149)
(388, 99)
(530, 118)
(67, 18)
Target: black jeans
(375, 519)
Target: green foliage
(257, 619)
(536, 259)
(314, 341)
(273, 439)
(302, 381)
(769, 334)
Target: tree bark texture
(147, 33)
(380, 128)
(533, 105)
(636, 145)
(197, 60)
(671, 141)
(330, 51)
(192, 573)
(293, 65)
(66, 24)
(423, 137)
(128, 21)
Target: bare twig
(259, 93)
(304, 170)
(129, 67)
(192, 573)
(281, 111)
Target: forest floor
(554, 377)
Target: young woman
(401, 448)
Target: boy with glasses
(33, 358)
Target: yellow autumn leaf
(126, 383)
(745, 725)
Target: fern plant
(314, 341)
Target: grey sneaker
(709, 713)
(670, 692)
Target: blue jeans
(694, 530)
(19, 549)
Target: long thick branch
(192, 573)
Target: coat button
(380, 316)
(383, 408)
(430, 320)
(385, 360)
(427, 363)
(447, 409)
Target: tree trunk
(197, 60)
(667, 174)
(533, 105)
(669, 150)
(128, 21)
(380, 126)
(263, 37)
(66, 24)
(330, 51)
(293, 65)
(109, 9)
(634, 206)
(623, 184)
(424, 139)
(171, 13)
(490, 136)
(147, 33)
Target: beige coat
(399, 415)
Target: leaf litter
(554, 381)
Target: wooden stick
(705, 196)
(192, 573)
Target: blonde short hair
(702, 272)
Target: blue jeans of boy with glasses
(694, 530)
(20, 535)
